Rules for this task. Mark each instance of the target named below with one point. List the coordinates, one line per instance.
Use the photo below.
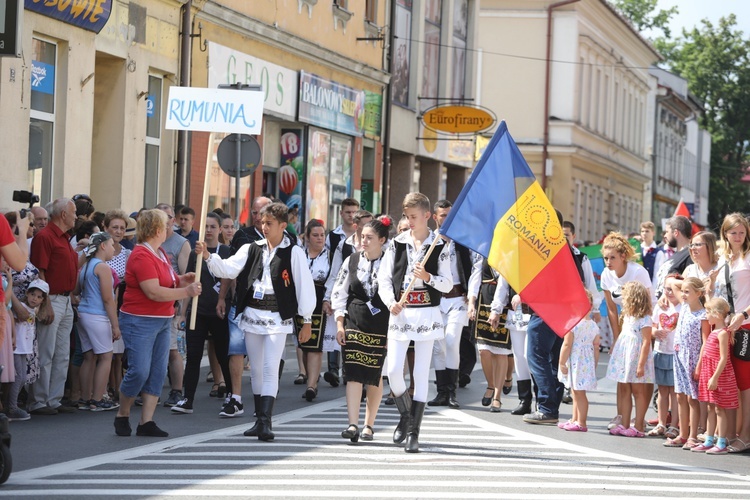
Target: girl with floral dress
(692, 330)
(631, 364)
(578, 368)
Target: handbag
(741, 348)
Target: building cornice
(264, 33)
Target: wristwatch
(745, 315)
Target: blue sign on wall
(42, 77)
(150, 103)
(331, 105)
(90, 15)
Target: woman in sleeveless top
(362, 327)
(97, 323)
(319, 264)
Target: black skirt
(366, 336)
(485, 334)
(318, 327)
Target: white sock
(237, 398)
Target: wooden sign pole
(202, 227)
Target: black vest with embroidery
(334, 239)
(401, 262)
(357, 292)
(463, 265)
(281, 279)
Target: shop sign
(455, 119)
(279, 84)
(11, 28)
(42, 77)
(373, 113)
(90, 15)
(331, 105)
(215, 110)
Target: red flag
(682, 209)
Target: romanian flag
(683, 210)
(503, 214)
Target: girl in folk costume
(274, 284)
(415, 316)
(362, 327)
(319, 265)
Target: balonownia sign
(455, 119)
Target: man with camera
(57, 262)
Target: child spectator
(577, 368)
(25, 334)
(631, 364)
(664, 322)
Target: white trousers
(265, 353)
(395, 367)
(518, 343)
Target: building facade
(595, 131)
(682, 150)
(86, 101)
(434, 62)
(324, 86)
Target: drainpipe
(385, 191)
(180, 189)
(545, 142)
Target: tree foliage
(715, 60)
(644, 15)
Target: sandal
(367, 436)
(214, 391)
(672, 432)
(677, 442)
(487, 400)
(301, 379)
(733, 448)
(657, 431)
(351, 433)
(310, 393)
(222, 390)
(496, 408)
(507, 388)
(690, 444)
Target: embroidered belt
(456, 291)
(489, 282)
(265, 304)
(418, 298)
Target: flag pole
(426, 256)
(202, 227)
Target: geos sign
(454, 119)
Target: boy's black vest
(346, 249)
(281, 279)
(649, 260)
(463, 255)
(400, 263)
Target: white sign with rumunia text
(215, 110)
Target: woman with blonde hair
(152, 287)
(733, 284)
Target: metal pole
(238, 149)
(180, 191)
(385, 205)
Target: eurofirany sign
(11, 12)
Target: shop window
(460, 33)
(431, 76)
(402, 53)
(328, 176)
(42, 118)
(371, 11)
(153, 141)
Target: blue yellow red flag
(503, 214)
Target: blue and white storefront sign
(42, 77)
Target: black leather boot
(266, 412)
(451, 383)
(253, 431)
(524, 396)
(332, 375)
(403, 403)
(415, 422)
(442, 389)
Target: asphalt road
(466, 453)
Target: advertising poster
(292, 166)
(402, 48)
(373, 113)
(317, 177)
(331, 105)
